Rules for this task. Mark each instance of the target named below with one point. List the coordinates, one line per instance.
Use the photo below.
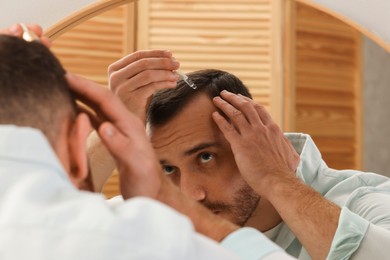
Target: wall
(370, 15)
(42, 12)
(376, 108)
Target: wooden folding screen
(327, 100)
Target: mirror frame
(82, 15)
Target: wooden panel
(331, 122)
(91, 46)
(327, 102)
(235, 36)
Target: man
(43, 163)
(209, 158)
(214, 160)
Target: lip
(216, 212)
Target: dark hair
(33, 88)
(165, 104)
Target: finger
(143, 80)
(13, 30)
(145, 91)
(245, 106)
(138, 55)
(139, 175)
(236, 117)
(135, 146)
(100, 99)
(36, 29)
(39, 32)
(114, 140)
(228, 130)
(144, 69)
(139, 100)
(150, 76)
(46, 41)
(92, 117)
(261, 111)
(17, 30)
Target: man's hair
(167, 103)
(33, 88)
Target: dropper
(186, 79)
(28, 35)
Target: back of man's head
(167, 103)
(33, 88)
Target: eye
(206, 157)
(168, 170)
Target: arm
(267, 161)
(133, 79)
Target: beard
(245, 201)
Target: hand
(260, 149)
(267, 161)
(133, 79)
(17, 31)
(136, 77)
(124, 136)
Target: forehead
(191, 126)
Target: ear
(77, 145)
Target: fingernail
(108, 132)
(168, 53)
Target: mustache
(215, 205)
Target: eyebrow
(200, 147)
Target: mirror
(248, 39)
(321, 91)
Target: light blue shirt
(42, 216)
(364, 223)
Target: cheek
(233, 185)
(226, 178)
(229, 172)
(231, 181)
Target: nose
(191, 187)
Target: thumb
(138, 168)
(114, 140)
